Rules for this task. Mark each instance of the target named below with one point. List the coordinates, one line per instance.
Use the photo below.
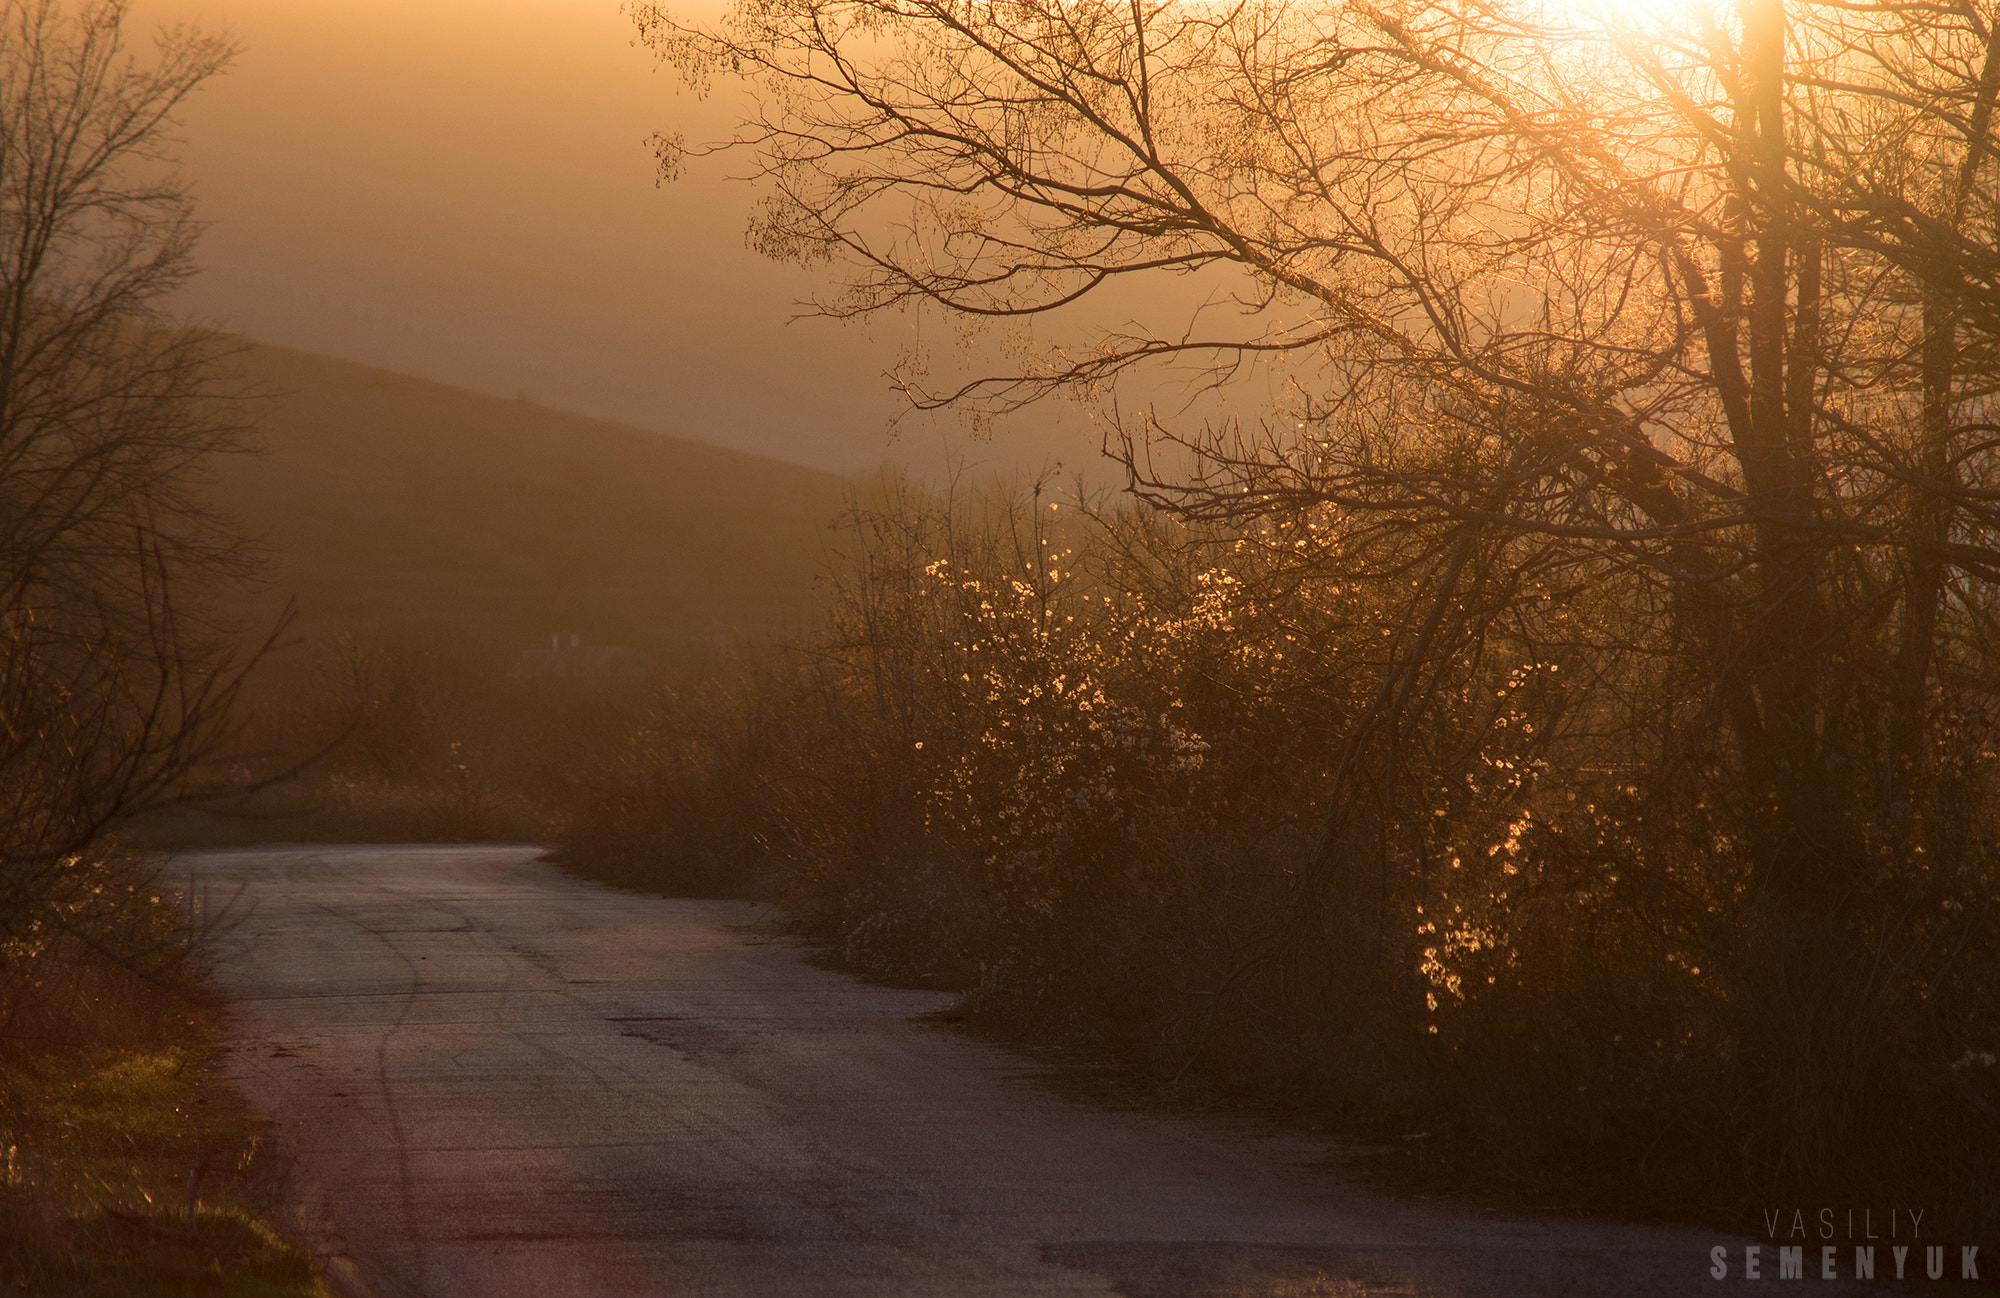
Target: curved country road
(498, 1080)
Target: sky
(462, 190)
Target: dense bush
(1091, 768)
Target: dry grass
(129, 1169)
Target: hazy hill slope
(393, 505)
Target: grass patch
(129, 1169)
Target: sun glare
(1590, 21)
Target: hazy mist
(463, 191)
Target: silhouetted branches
(114, 686)
(1640, 369)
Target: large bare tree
(1657, 344)
(113, 687)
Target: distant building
(578, 661)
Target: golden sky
(461, 189)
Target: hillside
(391, 505)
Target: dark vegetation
(1083, 766)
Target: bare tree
(1658, 347)
(113, 687)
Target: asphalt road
(497, 1080)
